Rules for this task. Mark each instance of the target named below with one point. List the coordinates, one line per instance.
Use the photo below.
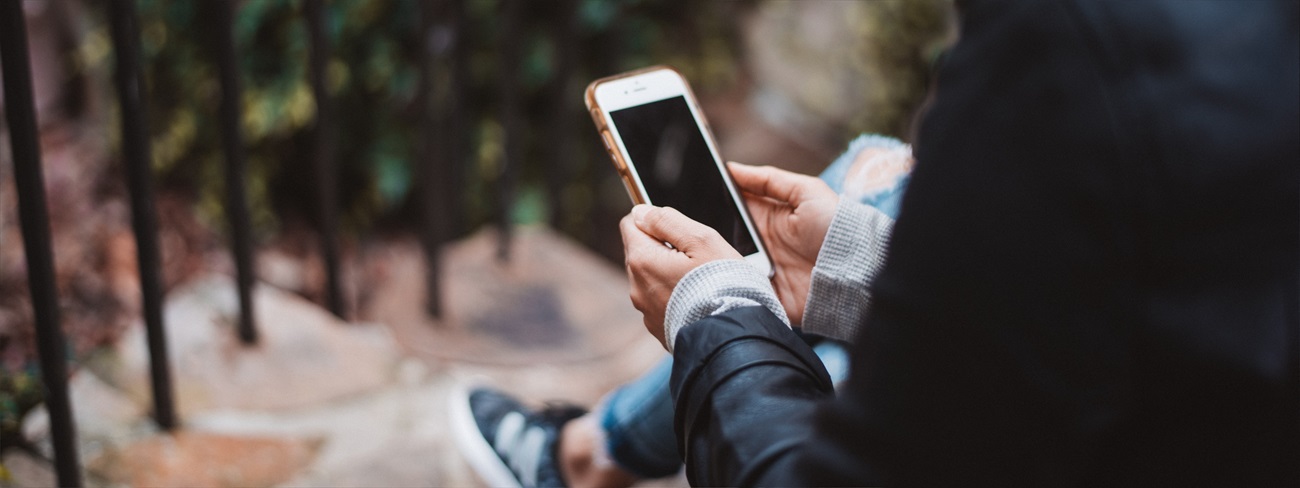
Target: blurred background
(470, 207)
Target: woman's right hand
(792, 213)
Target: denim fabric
(638, 417)
(638, 423)
(885, 200)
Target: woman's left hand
(654, 268)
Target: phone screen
(677, 169)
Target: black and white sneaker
(508, 444)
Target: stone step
(553, 322)
(322, 402)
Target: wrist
(716, 287)
(839, 294)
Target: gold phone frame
(625, 174)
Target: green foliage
(20, 391)
(374, 77)
(902, 38)
(371, 73)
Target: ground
(323, 402)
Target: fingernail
(638, 212)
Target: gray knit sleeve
(851, 255)
(717, 287)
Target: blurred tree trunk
(441, 99)
(324, 133)
(512, 117)
(566, 102)
(432, 187)
(232, 143)
(459, 116)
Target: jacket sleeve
(746, 388)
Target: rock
(281, 270)
(553, 301)
(323, 403)
(21, 470)
(205, 459)
(395, 437)
(555, 322)
(305, 356)
(824, 71)
(103, 416)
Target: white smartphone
(661, 145)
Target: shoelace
(520, 446)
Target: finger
(769, 182)
(760, 203)
(669, 225)
(635, 240)
(623, 230)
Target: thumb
(669, 225)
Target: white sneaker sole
(474, 447)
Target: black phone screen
(677, 169)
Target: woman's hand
(792, 213)
(655, 268)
